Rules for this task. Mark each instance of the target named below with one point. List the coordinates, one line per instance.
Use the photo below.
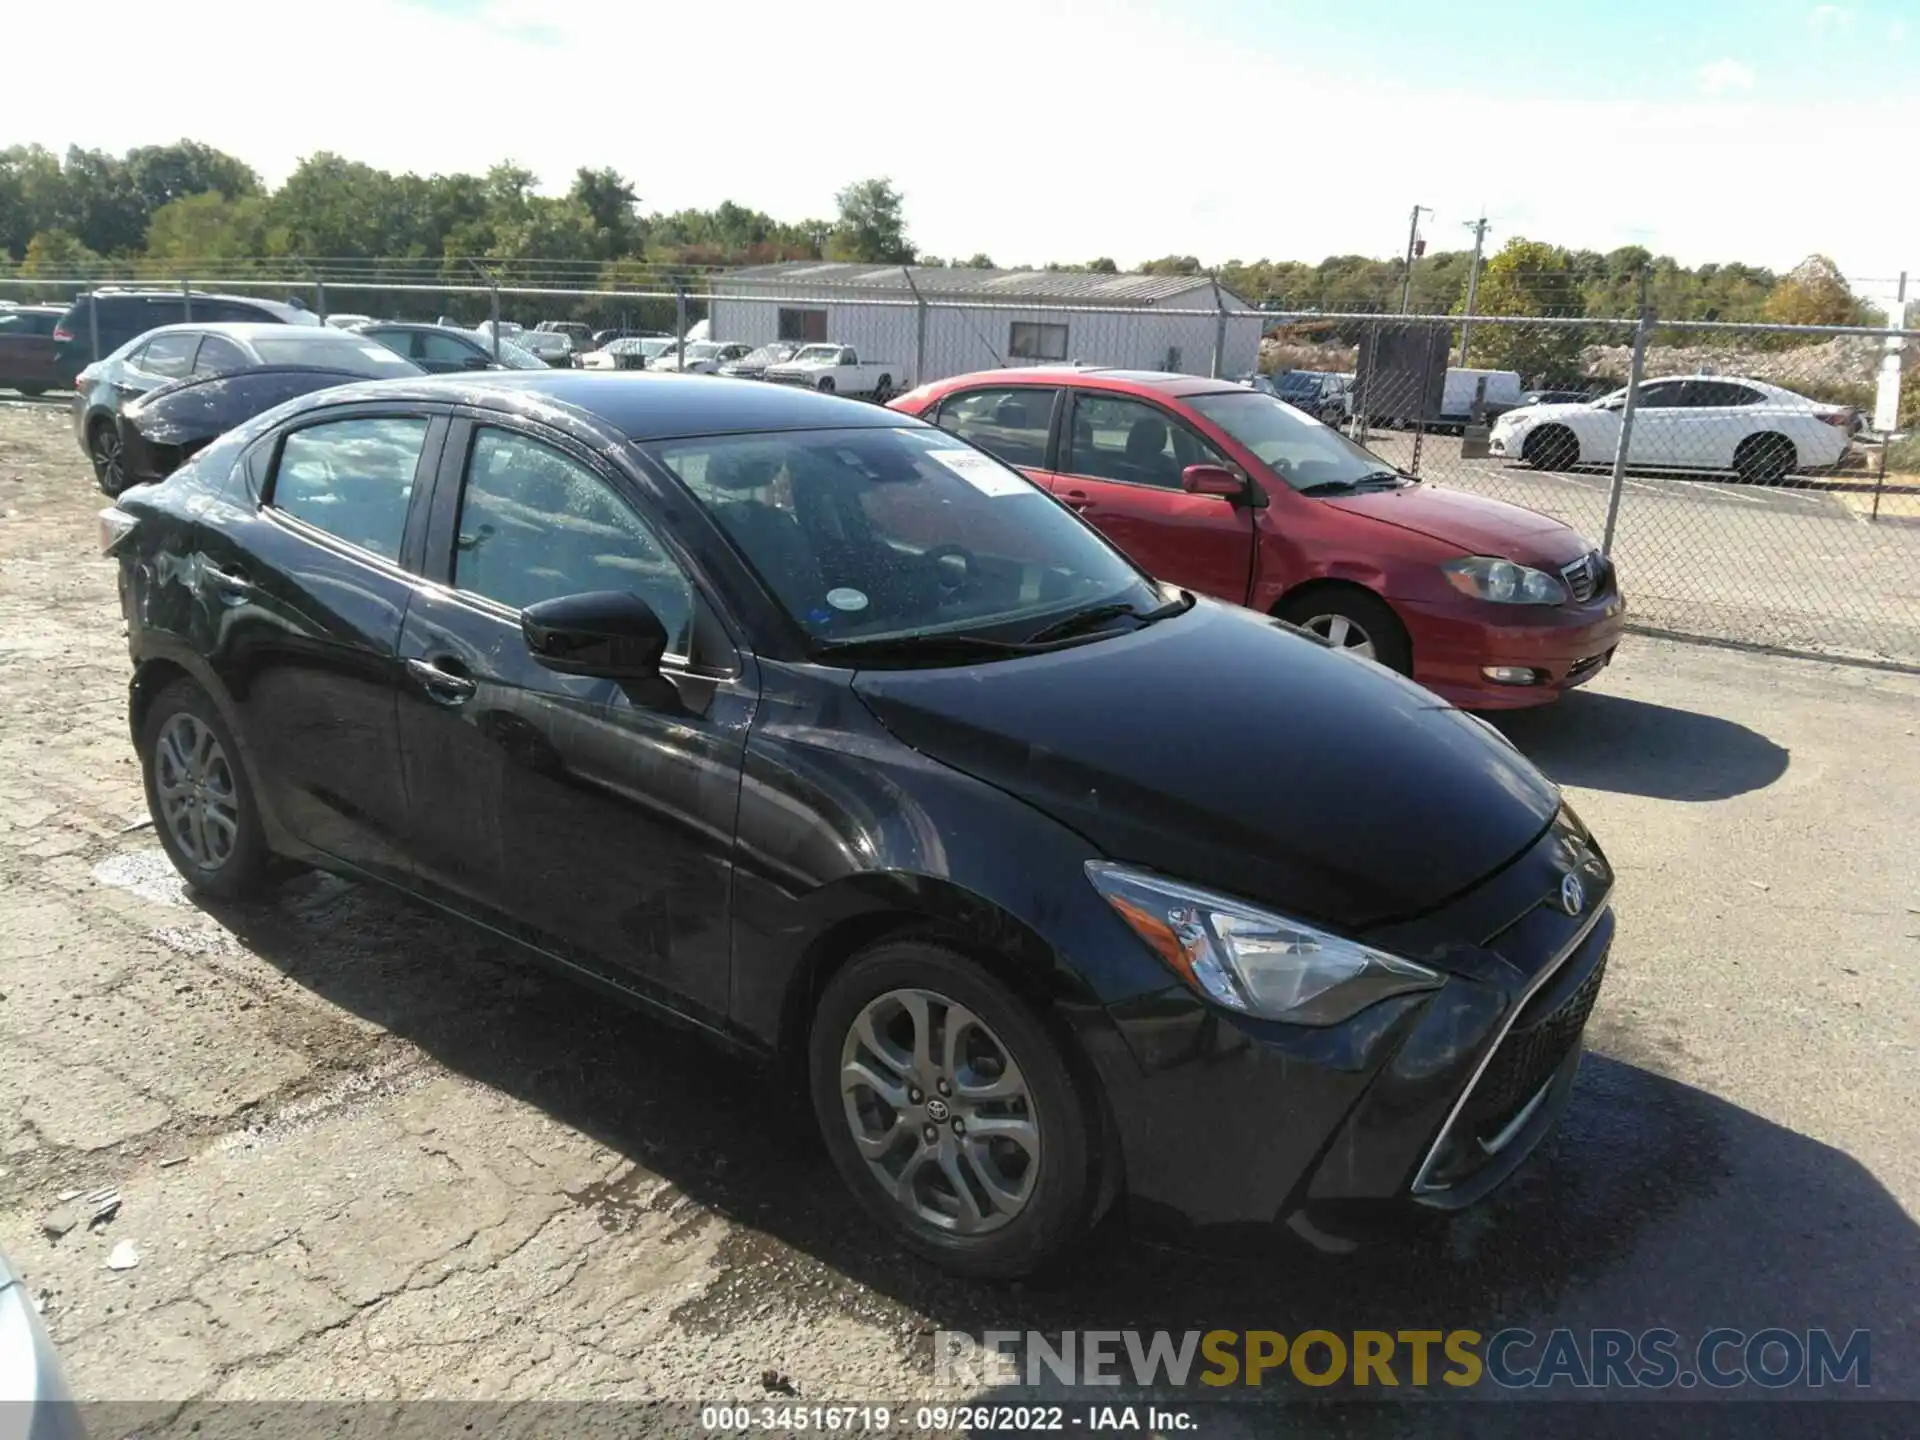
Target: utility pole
(1479, 228)
(1413, 246)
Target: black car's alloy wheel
(103, 448)
(947, 1107)
(197, 792)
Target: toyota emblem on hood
(1573, 895)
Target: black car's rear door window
(352, 478)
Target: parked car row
(819, 728)
(140, 366)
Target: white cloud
(1126, 136)
(1725, 77)
(1823, 19)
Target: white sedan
(1695, 422)
(700, 357)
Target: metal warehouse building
(937, 322)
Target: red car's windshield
(1304, 453)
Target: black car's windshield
(358, 354)
(871, 534)
(1304, 453)
(1295, 382)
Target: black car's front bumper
(1418, 1106)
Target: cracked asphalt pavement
(362, 1152)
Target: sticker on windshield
(986, 475)
(846, 598)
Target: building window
(1032, 341)
(809, 327)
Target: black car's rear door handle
(444, 679)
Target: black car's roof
(644, 406)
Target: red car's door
(1120, 464)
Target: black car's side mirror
(609, 634)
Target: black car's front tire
(197, 792)
(950, 1111)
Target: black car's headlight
(1250, 959)
(1504, 582)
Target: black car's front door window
(352, 479)
(536, 524)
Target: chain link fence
(1753, 483)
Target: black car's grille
(1583, 576)
(1527, 1058)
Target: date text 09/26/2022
(944, 1419)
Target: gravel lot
(362, 1153)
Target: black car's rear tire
(1551, 447)
(104, 451)
(1012, 1195)
(197, 792)
(1349, 618)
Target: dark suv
(119, 315)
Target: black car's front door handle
(443, 678)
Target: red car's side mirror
(1212, 480)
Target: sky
(1034, 130)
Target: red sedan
(1229, 492)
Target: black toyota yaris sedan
(813, 727)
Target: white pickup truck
(834, 368)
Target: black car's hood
(1223, 749)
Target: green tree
(99, 204)
(1528, 278)
(162, 174)
(1172, 265)
(58, 254)
(871, 227)
(209, 226)
(1103, 265)
(32, 188)
(1814, 292)
(610, 202)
